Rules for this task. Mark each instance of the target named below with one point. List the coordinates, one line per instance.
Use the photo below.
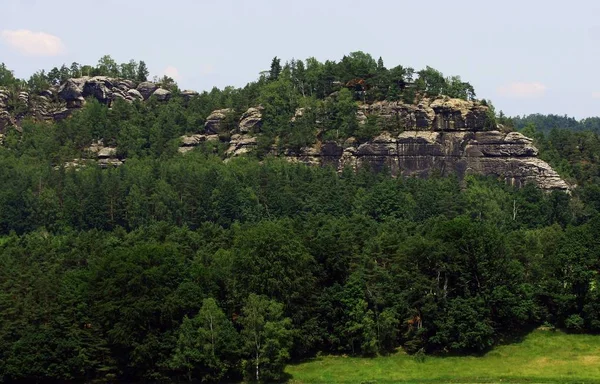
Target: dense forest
(188, 267)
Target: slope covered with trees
(175, 267)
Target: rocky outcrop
(510, 157)
(443, 114)
(105, 156)
(146, 89)
(251, 120)
(162, 94)
(214, 121)
(59, 102)
(189, 94)
(240, 145)
(188, 143)
(443, 136)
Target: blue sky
(526, 56)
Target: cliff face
(510, 157)
(443, 136)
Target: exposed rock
(508, 156)
(162, 94)
(72, 89)
(47, 93)
(298, 114)
(240, 144)
(188, 143)
(107, 152)
(4, 95)
(62, 114)
(99, 87)
(442, 114)
(110, 162)
(147, 88)
(5, 121)
(24, 97)
(135, 94)
(125, 85)
(251, 120)
(214, 120)
(188, 94)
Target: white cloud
(523, 89)
(172, 72)
(595, 95)
(33, 43)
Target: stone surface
(189, 94)
(510, 157)
(99, 87)
(190, 142)
(214, 120)
(443, 114)
(72, 89)
(251, 120)
(134, 94)
(146, 89)
(162, 94)
(240, 144)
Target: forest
(179, 267)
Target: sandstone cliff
(442, 136)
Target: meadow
(543, 356)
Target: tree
(431, 81)
(275, 69)
(142, 72)
(7, 78)
(75, 70)
(267, 338)
(38, 82)
(206, 345)
(107, 66)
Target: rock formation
(59, 102)
(443, 136)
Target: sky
(526, 56)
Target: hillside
(339, 208)
(366, 117)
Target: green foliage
(266, 338)
(187, 267)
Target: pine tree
(275, 69)
(142, 72)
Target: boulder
(251, 120)
(190, 142)
(5, 120)
(125, 85)
(24, 97)
(188, 94)
(162, 94)
(107, 152)
(214, 120)
(99, 87)
(240, 144)
(134, 94)
(72, 89)
(4, 96)
(146, 89)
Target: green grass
(542, 357)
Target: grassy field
(542, 357)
